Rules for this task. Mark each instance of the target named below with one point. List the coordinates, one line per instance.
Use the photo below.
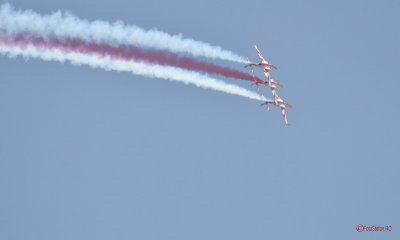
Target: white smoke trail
(66, 25)
(163, 72)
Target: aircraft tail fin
(254, 76)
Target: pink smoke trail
(121, 52)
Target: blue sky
(91, 154)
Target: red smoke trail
(122, 52)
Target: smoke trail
(21, 48)
(66, 25)
(124, 52)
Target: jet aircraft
(263, 64)
(279, 103)
(266, 67)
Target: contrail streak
(26, 49)
(65, 26)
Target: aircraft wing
(284, 116)
(267, 75)
(259, 54)
(269, 80)
(274, 94)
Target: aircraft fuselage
(266, 66)
(278, 103)
(282, 104)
